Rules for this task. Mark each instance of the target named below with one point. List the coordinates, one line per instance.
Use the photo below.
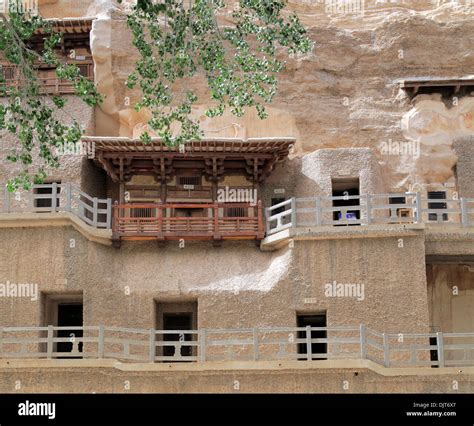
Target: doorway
(317, 349)
(70, 315)
(65, 311)
(179, 317)
(177, 322)
(346, 188)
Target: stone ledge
(109, 376)
(280, 239)
(341, 364)
(450, 242)
(446, 233)
(33, 220)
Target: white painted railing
(283, 219)
(396, 208)
(252, 344)
(54, 198)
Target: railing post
(309, 353)
(293, 212)
(109, 213)
(260, 226)
(54, 195)
(319, 209)
(386, 350)
(68, 197)
(31, 198)
(464, 213)
(6, 206)
(255, 344)
(152, 343)
(440, 349)
(95, 213)
(159, 217)
(177, 349)
(363, 341)
(368, 208)
(418, 216)
(267, 219)
(49, 348)
(115, 223)
(202, 344)
(216, 219)
(100, 350)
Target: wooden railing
(206, 221)
(48, 86)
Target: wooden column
(214, 191)
(257, 186)
(163, 191)
(122, 182)
(122, 192)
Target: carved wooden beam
(108, 167)
(163, 169)
(214, 169)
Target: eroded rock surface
(345, 94)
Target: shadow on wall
(219, 271)
(93, 179)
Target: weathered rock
(345, 94)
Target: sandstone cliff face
(343, 104)
(343, 95)
(64, 8)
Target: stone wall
(463, 147)
(65, 8)
(344, 106)
(231, 291)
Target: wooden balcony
(48, 86)
(199, 221)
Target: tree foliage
(35, 119)
(180, 39)
(177, 40)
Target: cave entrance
(349, 190)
